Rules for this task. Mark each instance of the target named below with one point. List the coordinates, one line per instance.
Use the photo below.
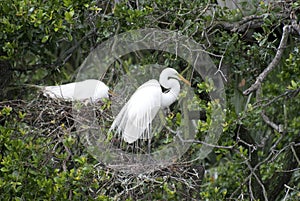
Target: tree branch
(249, 22)
(274, 63)
(278, 128)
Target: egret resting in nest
(88, 90)
(134, 119)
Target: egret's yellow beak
(184, 80)
(110, 92)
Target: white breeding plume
(134, 119)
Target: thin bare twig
(295, 154)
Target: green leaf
(45, 38)
(6, 111)
(294, 84)
(67, 3)
(69, 16)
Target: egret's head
(101, 91)
(172, 73)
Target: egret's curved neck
(174, 88)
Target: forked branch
(274, 63)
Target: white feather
(134, 119)
(87, 90)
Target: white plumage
(90, 90)
(134, 119)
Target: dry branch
(278, 128)
(274, 63)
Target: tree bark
(5, 78)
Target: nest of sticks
(53, 120)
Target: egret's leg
(149, 146)
(149, 142)
(134, 145)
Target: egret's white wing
(134, 120)
(85, 90)
(65, 91)
(90, 90)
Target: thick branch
(242, 27)
(273, 64)
(249, 22)
(278, 128)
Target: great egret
(90, 90)
(134, 119)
